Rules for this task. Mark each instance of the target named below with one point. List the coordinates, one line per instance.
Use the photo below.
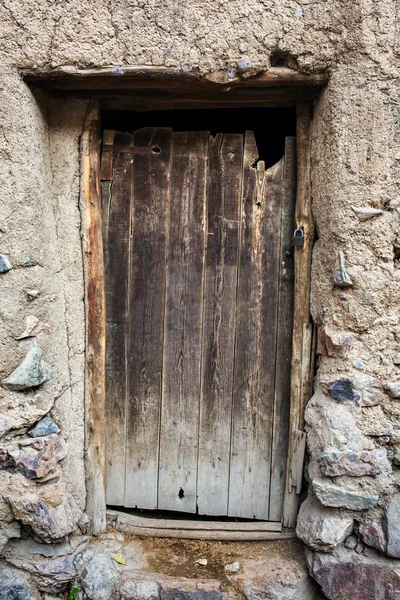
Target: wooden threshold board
(197, 530)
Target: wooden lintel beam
(116, 77)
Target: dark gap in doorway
(270, 125)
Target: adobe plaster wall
(355, 162)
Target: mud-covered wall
(353, 418)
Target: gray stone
(396, 459)
(341, 278)
(322, 528)
(345, 575)
(335, 496)
(10, 531)
(392, 526)
(359, 547)
(5, 264)
(33, 371)
(373, 535)
(51, 567)
(14, 587)
(358, 389)
(48, 523)
(393, 389)
(99, 578)
(135, 589)
(33, 457)
(232, 567)
(334, 463)
(45, 426)
(366, 213)
(396, 360)
(183, 595)
(351, 542)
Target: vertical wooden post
(95, 321)
(302, 327)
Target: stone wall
(350, 518)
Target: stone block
(45, 426)
(345, 575)
(135, 589)
(393, 389)
(33, 457)
(51, 567)
(47, 522)
(334, 343)
(360, 390)
(373, 535)
(334, 463)
(14, 586)
(332, 495)
(322, 528)
(8, 532)
(32, 372)
(392, 526)
(100, 578)
(5, 264)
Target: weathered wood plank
(95, 322)
(223, 213)
(302, 273)
(116, 266)
(107, 157)
(146, 309)
(255, 352)
(284, 336)
(196, 534)
(126, 519)
(183, 323)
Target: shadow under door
(199, 303)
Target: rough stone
(48, 523)
(13, 586)
(33, 327)
(396, 459)
(134, 589)
(393, 389)
(45, 426)
(392, 526)
(345, 575)
(335, 496)
(351, 542)
(322, 528)
(198, 595)
(32, 372)
(341, 278)
(5, 264)
(52, 567)
(99, 577)
(334, 463)
(233, 567)
(32, 294)
(10, 531)
(334, 343)
(33, 457)
(366, 213)
(373, 535)
(361, 390)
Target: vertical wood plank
(95, 322)
(116, 222)
(255, 352)
(284, 336)
(224, 199)
(107, 157)
(151, 191)
(183, 323)
(302, 275)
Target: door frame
(138, 88)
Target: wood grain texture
(116, 225)
(183, 323)
(198, 534)
(302, 277)
(107, 157)
(255, 352)
(150, 208)
(284, 336)
(159, 523)
(95, 322)
(223, 214)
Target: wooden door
(199, 301)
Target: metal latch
(298, 237)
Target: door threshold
(197, 530)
